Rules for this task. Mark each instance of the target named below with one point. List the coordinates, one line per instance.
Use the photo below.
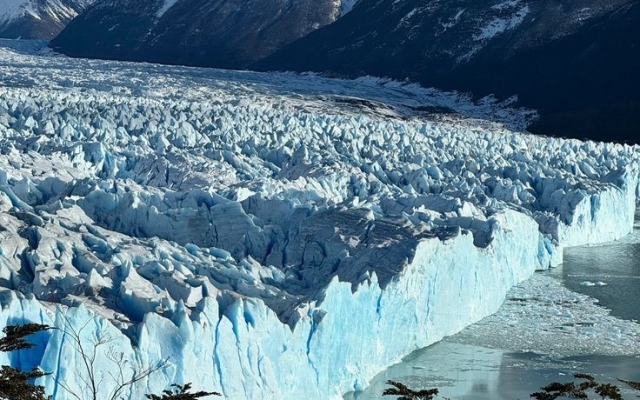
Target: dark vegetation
(405, 393)
(14, 383)
(181, 392)
(580, 389)
(18, 385)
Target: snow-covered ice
(290, 235)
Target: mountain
(220, 33)
(37, 19)
(576, 61)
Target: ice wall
(336, 345)
(268, 243)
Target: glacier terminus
(272, 235)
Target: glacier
(271, 235)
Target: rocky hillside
(220, 33)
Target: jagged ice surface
(272, 235)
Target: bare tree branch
(87, 351)
(138, 377)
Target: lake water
(580, 317)
(466, 372)
(609, 273)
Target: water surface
(609, 273)
(465, 372)
(544, 336)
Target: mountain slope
(575, 61)
(221, 33)
(37, 19)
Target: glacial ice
(271, 235)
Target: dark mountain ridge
(218, 33)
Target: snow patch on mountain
(10, 9)
(506, 5)
(346, 6)
(453, 21)
(57, 9)
(502, 24)
(165, 7)
(406, 20)
(245, 222)
(37, 19)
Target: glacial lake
(608, 273)
(465, 372)
(485, 363)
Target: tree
(181, 392)
(578, 391)
(405, 393)
(91, 385)
(16, 384)
(631, 384)
(552, 391)
(15, 334)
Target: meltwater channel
(579, 317)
